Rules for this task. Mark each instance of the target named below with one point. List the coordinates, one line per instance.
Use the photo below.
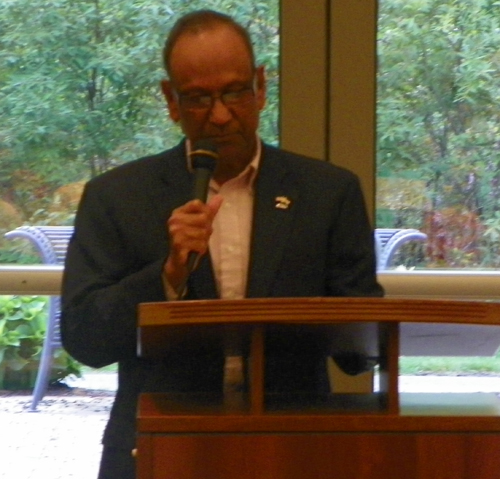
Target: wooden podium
(347, 436)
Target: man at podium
(275, 224)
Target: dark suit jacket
(321, 245)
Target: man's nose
(220, 113)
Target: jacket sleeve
(351, 269)
(107, 275)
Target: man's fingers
(190, 227)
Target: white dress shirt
(232, 230)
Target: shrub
(22, 330)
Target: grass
(112, 368)
(409, 366)
(451, 366)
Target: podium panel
(254, 434)
(318, 456)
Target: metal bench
(51, 243)
(389, 240)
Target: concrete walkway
(62, 440)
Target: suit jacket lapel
(276, 194)
(175, 185)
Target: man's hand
(189, 229)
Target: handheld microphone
(203, 157)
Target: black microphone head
(204, 155)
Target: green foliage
(16, 255)
(438, 101)
(22, 331)
(83, 80)
(491, 246)
(451, 365)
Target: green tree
(439, 101)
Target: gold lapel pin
(282, 203)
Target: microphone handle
(191, 262)
(200, 192)
(201, 181)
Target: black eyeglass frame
(205, 102)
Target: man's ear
(171, 98)
(260, 91)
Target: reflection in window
(438, 152)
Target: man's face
(213, 63)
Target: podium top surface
(317, 311)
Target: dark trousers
(116, 464)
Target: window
(438, 148)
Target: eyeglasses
(206, 102)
